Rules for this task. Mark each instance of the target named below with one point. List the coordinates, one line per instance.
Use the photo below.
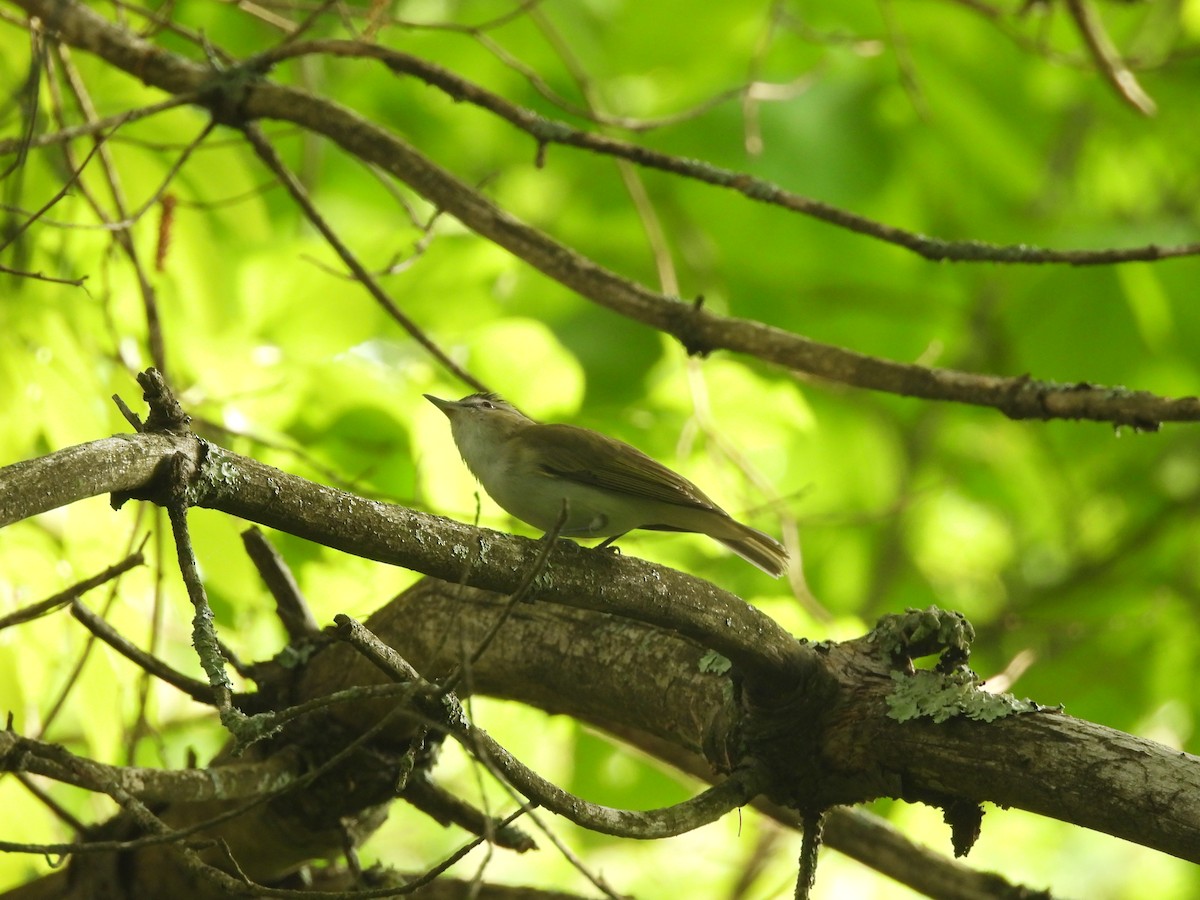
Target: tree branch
(233, 781)
(740, 788)
(71, 594)
(399, 536)
(197, 690)
(550, 131)
(242, 99)
(1096, 777)
(1106, 57)
(1016, 774)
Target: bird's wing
(564, 453)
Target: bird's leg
(607, 542)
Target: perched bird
(610, 487)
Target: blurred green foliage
(1074, 549)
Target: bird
(610, 487)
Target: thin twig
(68, 596)
(28, 94)
(76, 171)
(706, 807)
(905, 66)
(107, 124)
(204, 634)
(435, 871)
(447, 808)
(1108, 58)
(715, 435)
(810, 844)
(549, 131)
(150, 664)
(141, 724)
(59, 811)
(59, 702)
(272, 161)
(146, 288)
(41, 276)
(290, 604)
(735, 791)
(520, 595)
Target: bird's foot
(609, 545)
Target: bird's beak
(445, 406)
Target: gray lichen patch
(940, 697)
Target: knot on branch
(923, 632)
(781, 731)
(176, 476)
(951, 689)
(166, 413)
(684, 321)
(225, 94)
(1030, 398)
(966, 822)
(355, 779)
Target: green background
(1074, 548)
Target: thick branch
(1066, 768)
(740, 788)
(399, 536)
(1096, 777)
(670, 709)
(1045, 762)
(111, 465)
(639, 591)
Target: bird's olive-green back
(569, 452)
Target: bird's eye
(487, 404)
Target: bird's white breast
(509, 471)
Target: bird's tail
(757, 548)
